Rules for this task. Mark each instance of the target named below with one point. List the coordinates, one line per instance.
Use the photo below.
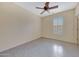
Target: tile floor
(43, 47)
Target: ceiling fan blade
(54, 7)
(42, 12)
(48, 11)
(39, 8)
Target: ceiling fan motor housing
(45, 8)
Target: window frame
(56, 29)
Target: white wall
(68, 27)
(77, 10)
(17, 26)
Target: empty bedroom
(39, 29)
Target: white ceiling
(31, 6)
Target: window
(58, 25)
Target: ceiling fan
(46, 7)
